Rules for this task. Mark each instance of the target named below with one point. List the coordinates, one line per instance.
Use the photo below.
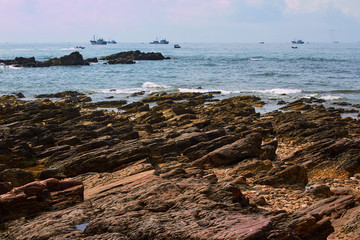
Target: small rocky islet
(76, 59)
(189, 167)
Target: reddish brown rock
(140, 174)
(36, 197)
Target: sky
(180, 20)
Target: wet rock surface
(190, 167)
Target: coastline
(223, 164)
(324, 71)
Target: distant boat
(99, 41)
(294, 47)
(79, 47)
(111, 42)
(297, 42)
(162, 41)
(177, 46)
(261, 42)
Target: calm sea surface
(271, 71)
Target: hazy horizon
(183, 21)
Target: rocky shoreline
(189, 167)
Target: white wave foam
(154, 85)
(311, 95)
(200, 90)
(255, 59)
(13, 67)
(65, 49)
(330, 97)
(279, 91)
(3, 66)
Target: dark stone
(74, 58)
(268, 150)
(19, 94)
(50, 173)
(121, 61)
(5, 187)
(321, 191)
(135, 55)
(60, 94)
(16, 176)
(92, 60)
(234, 152)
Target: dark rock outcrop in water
(189, 167)
(130, 56)
(72, 59)
(76, 59)
(135, 55)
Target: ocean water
(271, 71)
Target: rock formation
(76, 58)
(190, 167)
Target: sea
(271, 71)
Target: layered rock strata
(190, 167)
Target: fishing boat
(162, 41)
(79, 47)
(297, 42)
(99, 41)
(177, 46)
(111, 42)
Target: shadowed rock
(233, 153)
